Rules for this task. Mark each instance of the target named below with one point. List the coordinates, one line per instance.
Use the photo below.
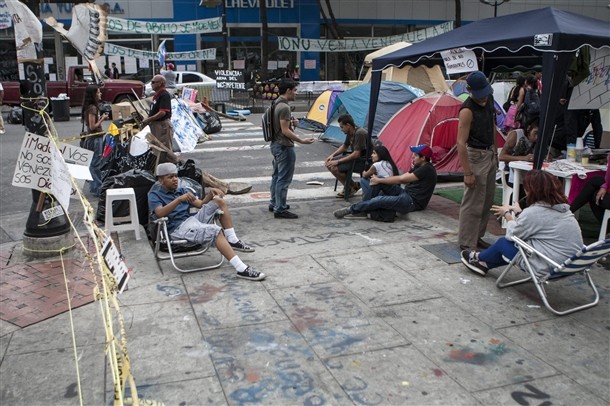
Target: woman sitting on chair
(547, 224)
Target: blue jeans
(492, 256)
(284, 159)
(96, 173)
(396, 198)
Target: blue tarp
(392, 97)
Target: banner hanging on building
(360, 44)
(205, 26)
(200, 55)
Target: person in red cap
(420, 183)
(476, 146)
(170, 77)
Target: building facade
(239, 45)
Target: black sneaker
(341, 212)
(285, 215)
(241, 246)
(251, 274)
(469, 259)
(271, 207)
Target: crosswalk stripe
(298, 177)
(216, 141)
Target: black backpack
(267, 122)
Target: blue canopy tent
(355, 101)
(523, 39)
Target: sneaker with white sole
(241, 246)
(251, 274)
(341, 212)
(469, 258)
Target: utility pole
(47, 229)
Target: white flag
(88, 32)
(28, 31)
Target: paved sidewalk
(352, 312)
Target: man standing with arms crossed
(478, 155)
(282, 149)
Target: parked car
(186, 79)
(78, 78)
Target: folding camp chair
(168, 248)
(579, 263)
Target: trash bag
(209, 122)
(140, 180)
(120, 161)
(192, 186)
(188, 170)
(15, 116)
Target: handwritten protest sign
(61, 185)
(230, 79)
(459, 60)
(114, 262)
(33, 169)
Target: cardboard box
(123, 109)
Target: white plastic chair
(577, 264)
(507, 191)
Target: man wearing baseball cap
(166, 199)
(476, 146)
(420, 183)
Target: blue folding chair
(577, 264)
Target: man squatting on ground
(420, 183)
(282, 149)
(166, 199)
(340, 162)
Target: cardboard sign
(61, 185)
(230, 79)
(33, 168)
(459, 60)
(114, 262)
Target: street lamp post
(494, 3)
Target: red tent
(433, 120)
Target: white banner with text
(360, 44)
(205, 26)
(200, 55)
